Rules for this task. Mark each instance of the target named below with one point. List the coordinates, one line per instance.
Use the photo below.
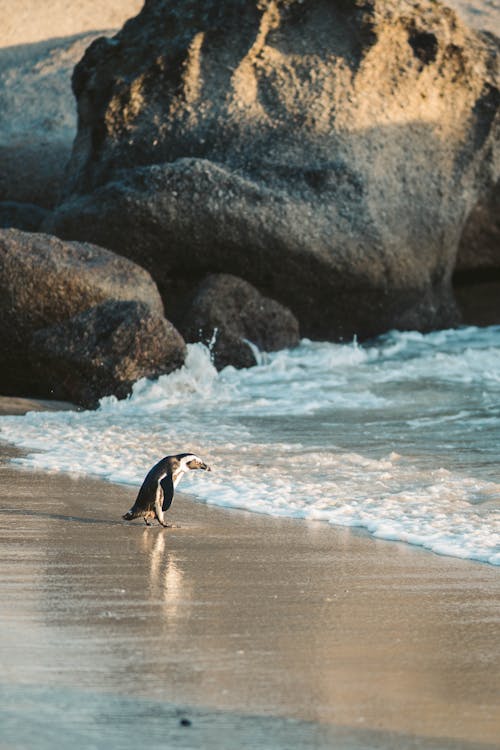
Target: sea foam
(398, 436)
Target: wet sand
(234, 630)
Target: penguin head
(190, 461)
(197, 463)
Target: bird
(157, 491)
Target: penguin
(157, 491)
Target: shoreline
(233, 629)
(250, 624)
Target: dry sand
(253, 631)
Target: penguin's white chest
(177, 476)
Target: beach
(232, 629)
(334, 581)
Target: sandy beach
(232, 630)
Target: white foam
(398, 437)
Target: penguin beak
(207, 468)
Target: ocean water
(399, 436)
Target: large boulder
(40, 43)
(479, 248)
(328, 153)
(37, 122)
(38, 118)
(227, 313)
(477, 270)
(44, 281)
(104, 351)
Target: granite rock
(44, 281)
(227, 313)
(328, 153)
(103, 351)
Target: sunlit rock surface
(329, 153)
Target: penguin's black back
(146, 497)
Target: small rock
(227, 312)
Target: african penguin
(157, 491)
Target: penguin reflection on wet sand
(157, 491)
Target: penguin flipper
(167, 486)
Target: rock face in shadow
(26, 216)
(45, 281)
(104, 351)
(328, 153)
(228, 312)
(477, 270)
(479, 248)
